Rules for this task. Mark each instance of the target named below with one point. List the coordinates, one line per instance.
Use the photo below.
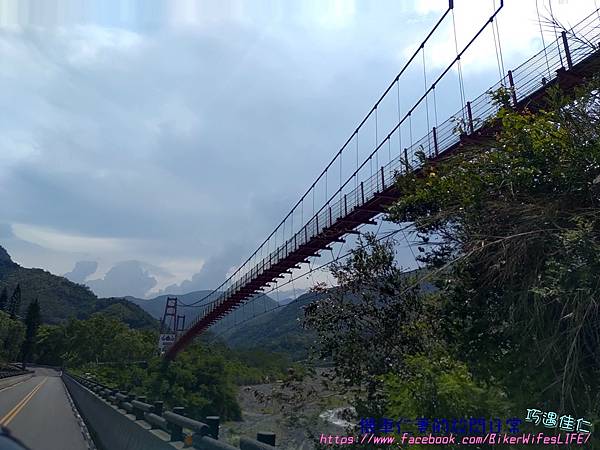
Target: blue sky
(157, 143)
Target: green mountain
(278, 330)
(61, 299)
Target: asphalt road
(38, 412)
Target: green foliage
(3, 299)
(203, 378)
(372, 320)
(12, 333)
(255, 366)
(51, 341)
(438, 386)
(517, 224)
(32, 323)
(14, 303)
(384, 334)
(98, 339)
(509, 231)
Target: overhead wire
(500, 72)
(426, 99)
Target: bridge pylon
(170, 325)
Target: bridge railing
(172, 426)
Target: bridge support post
(435, 142)
(175, 429)
(213, 426)
(470, 118)
(513, 91)
(362, 192)
(137, 411)
(567, 50)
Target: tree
(516, 221)
(14, 303)
(51, 345)
(12, 333)
(383, 332)
(370, 321)
(3, 299)
(32, 323)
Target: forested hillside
(61, 299)
(279, 330)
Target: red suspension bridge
(323, 216)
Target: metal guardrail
(194, 433)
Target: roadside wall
(111, 428)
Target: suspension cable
(399, 117)
(556, 34)
(461, 87)
(495, 20)
(426, 100)
(537, 9)
(500, 72)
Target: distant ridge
(61, 299)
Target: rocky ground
(297, 425)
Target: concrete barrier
(110, 428)
(118, 421)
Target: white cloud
(334, 14)
(64, 248)
(90, 44)
(57, 240)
